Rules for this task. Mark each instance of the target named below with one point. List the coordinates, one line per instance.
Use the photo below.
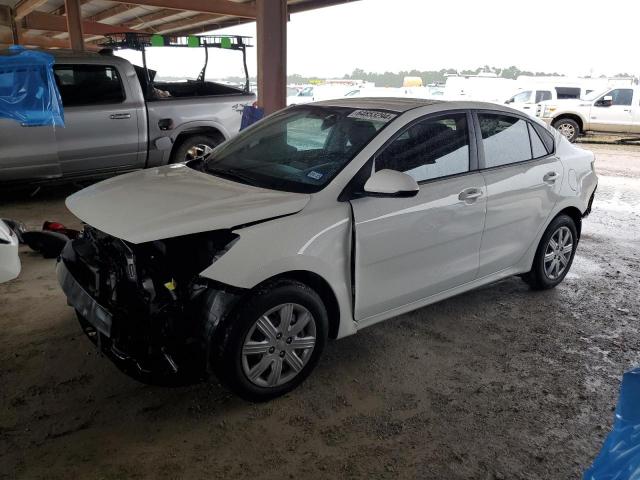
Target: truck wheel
(194, 148)
(273, 341)
(567, 127)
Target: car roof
(395, 104)
(403, 104)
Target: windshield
(595, 94)
(300, 149)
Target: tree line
(395, 79)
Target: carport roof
(43, 23)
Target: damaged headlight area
(145, 305)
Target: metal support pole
(272, 54)
(74, 24)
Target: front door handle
(470, 194)
(119, 116)
(550, 177)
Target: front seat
(359, 134)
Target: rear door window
(88, 84)
(542, 95)
(505, 139)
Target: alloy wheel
(278, 345)
(558, 253)
(198, 152)
(567, 130)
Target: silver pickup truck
(116, 121)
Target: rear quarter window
(545, 136)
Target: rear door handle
(550, 177)
(470, 194)
(119, 116)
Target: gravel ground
(503, 383)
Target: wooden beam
(25, 7)
(184, 23)
(61, 10)
(271, 29)
(7, 19)
(220, 22)
(306, 6)
(5, 15)
(15, 31)
(74, 24)
(37, 41)
(219, 7)
(111, 12)
(57, 23)
(150, 18)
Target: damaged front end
(145, 305)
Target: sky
(569, 36)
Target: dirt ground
(501, 383)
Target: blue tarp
(619, 458)
(28, 90)
(250, 115)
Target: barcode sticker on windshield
(373, 115)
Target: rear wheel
(196, 147)
(554, 255)
(273, 342)
(568, 128)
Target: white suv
(318, 221)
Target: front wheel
(273, 342)
(196, 147)
(568, 128)
(554, 255)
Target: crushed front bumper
(97, 323)
(86, 306)
(152, 332)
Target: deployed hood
(176, 200)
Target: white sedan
(314, 223)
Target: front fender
(197, 125)
(313, 241)
(584, 118)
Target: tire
(245, 329)
(568, 128)
(193, 147)
(543, 275)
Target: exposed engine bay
(154, 314)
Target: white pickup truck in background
(612, 111)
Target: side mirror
(391, 183)
(605, 101)
(509, 101)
